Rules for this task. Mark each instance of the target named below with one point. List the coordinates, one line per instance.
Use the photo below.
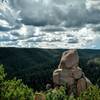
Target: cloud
(93, 4)
(95, 28)
(51, 12)
(52, 29)
(67, 13)
(50, 23)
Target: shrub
(2, 74)
(13, 89)
(92, 93)
(56, 94)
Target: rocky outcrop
(71, 74)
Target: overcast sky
(68, 13)
(26, 22)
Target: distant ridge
(34, 65)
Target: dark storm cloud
(68, 13)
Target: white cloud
(93, 4)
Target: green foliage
(34, 65)
(2, 74)
(93, 66)
(56, 94)
(92, 93)
(13, 89)
(97, 61)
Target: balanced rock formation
(71, 74)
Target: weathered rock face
(70, 73)
(69, 59)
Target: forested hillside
(14, 89)
(35, 66)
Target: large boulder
(70, 73)
(69, 59)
